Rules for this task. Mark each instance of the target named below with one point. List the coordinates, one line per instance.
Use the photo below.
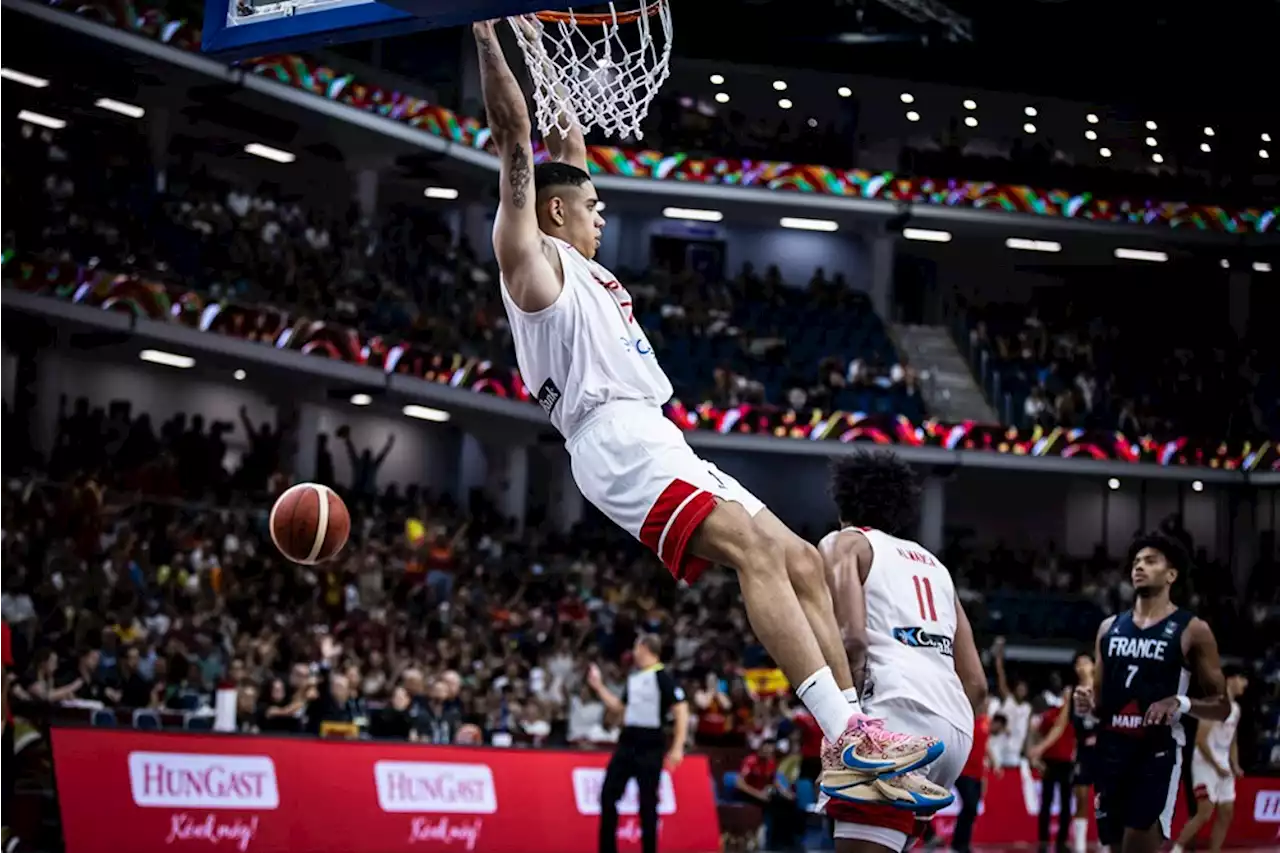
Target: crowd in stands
(750, 338)
(1069, 367)
(128, 589)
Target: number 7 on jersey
(924, 597)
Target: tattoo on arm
(519, 175)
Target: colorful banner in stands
(309, 75)
(766, 682)
(1011, 805)
(287, 331)
(147, 792)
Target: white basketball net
(601, 75)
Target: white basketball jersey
(1221, 735)
(911, 627)
(586, 348)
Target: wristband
(1184, 704)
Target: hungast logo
(435, 787)
(176, 780)
(588, 781)
(1266, 807)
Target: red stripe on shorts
(873, 814)
(678, 511)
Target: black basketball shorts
(1136, 789)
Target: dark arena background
(1030, 247)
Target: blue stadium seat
(146, 719)
(103, 717)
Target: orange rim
(600, 19)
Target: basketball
(309, 523)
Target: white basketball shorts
(886, 825)
(1209, 785)
(635, 466)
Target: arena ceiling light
(120, 107)
(780, 85)
(1031, 112)
(1113, 484)
(266, 152)
(361, 399)
(1208, 131)
(722, 98)
(1197, 486)
(717, 79)
(25, 79)
(1266, 137)
(970, 121)
(1261, 266)
(1206, 147)
(1264, 154)
(239, 375)
(785, 103)
(801, 224)
(1151, 125)
(425, 413)
(1028, 128)
(927, 235)
(1157, 157)
(844, 92)
(1033, 245)
(907, 98)
(1104, 152)
(442, 193)
(1091, 118)
(168, 359)
(1151, 142)
(970, 104)
(912, 115)
(42, 120)
(1141, 255)
(692, 213)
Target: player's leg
(1226, 811)
(1080, 815)
(1149, 817)
(808, 579)
(616, 777)
(1204, 811)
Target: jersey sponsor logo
(1143, 648)
(919, 638)
(639, 346)
(548, 396)
(1128, 720)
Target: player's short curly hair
(1175, 552)
(876, 489)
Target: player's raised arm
(517, 241)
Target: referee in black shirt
(651, 693)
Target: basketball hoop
(598, 70)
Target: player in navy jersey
(1145, 660)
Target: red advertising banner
(156, 791)
(1011, 805)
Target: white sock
(824, 700)
(1177, 848)
(855, 701)
(1080, 834)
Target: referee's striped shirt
(649, 696)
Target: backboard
(237, 29)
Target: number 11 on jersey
(924, 597)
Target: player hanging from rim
(910, 647)
(1145, 658)
(595, 374)
(1085, 729)
(1215, 766)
